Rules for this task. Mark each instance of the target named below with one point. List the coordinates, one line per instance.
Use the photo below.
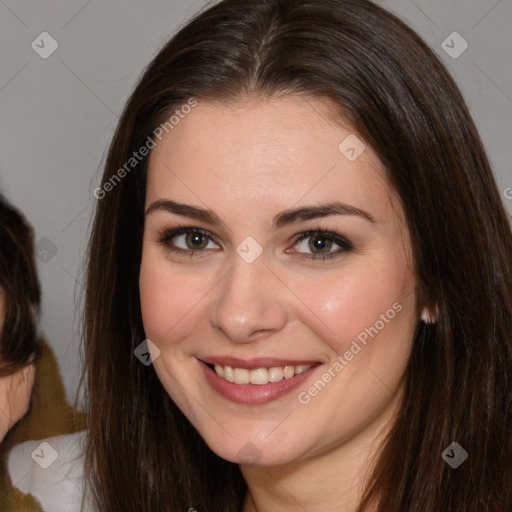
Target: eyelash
(166, 235)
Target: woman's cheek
(338, 299)
(353, 305)
(166, 299)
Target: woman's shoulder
(51, 470)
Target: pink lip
(252, 364)
(252, 393)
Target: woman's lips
(259, 393)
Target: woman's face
(15, 389)
(292, 273)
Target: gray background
(58, 114)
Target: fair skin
(15, 389)
(247, 163)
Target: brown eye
(187, 240)
(196, 240)
(320, 243)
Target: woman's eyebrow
(186, 210)
(282, 219)
(323, 210)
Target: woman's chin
(253, 454)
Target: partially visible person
(19, 306)
(32, 397)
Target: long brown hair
(143, 454)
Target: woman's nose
(250, 301)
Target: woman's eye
(183, 240)
(321, 245)
(193, 240)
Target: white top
(52, 471)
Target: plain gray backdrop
(59, 110)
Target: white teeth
(289, 372)
(275, 374)
(228, 374)
(259, 376)
(241, 375)
(301, 368)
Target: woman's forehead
(288, 146)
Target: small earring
(425, 316)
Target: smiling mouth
(256, 381)
(258, 376)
